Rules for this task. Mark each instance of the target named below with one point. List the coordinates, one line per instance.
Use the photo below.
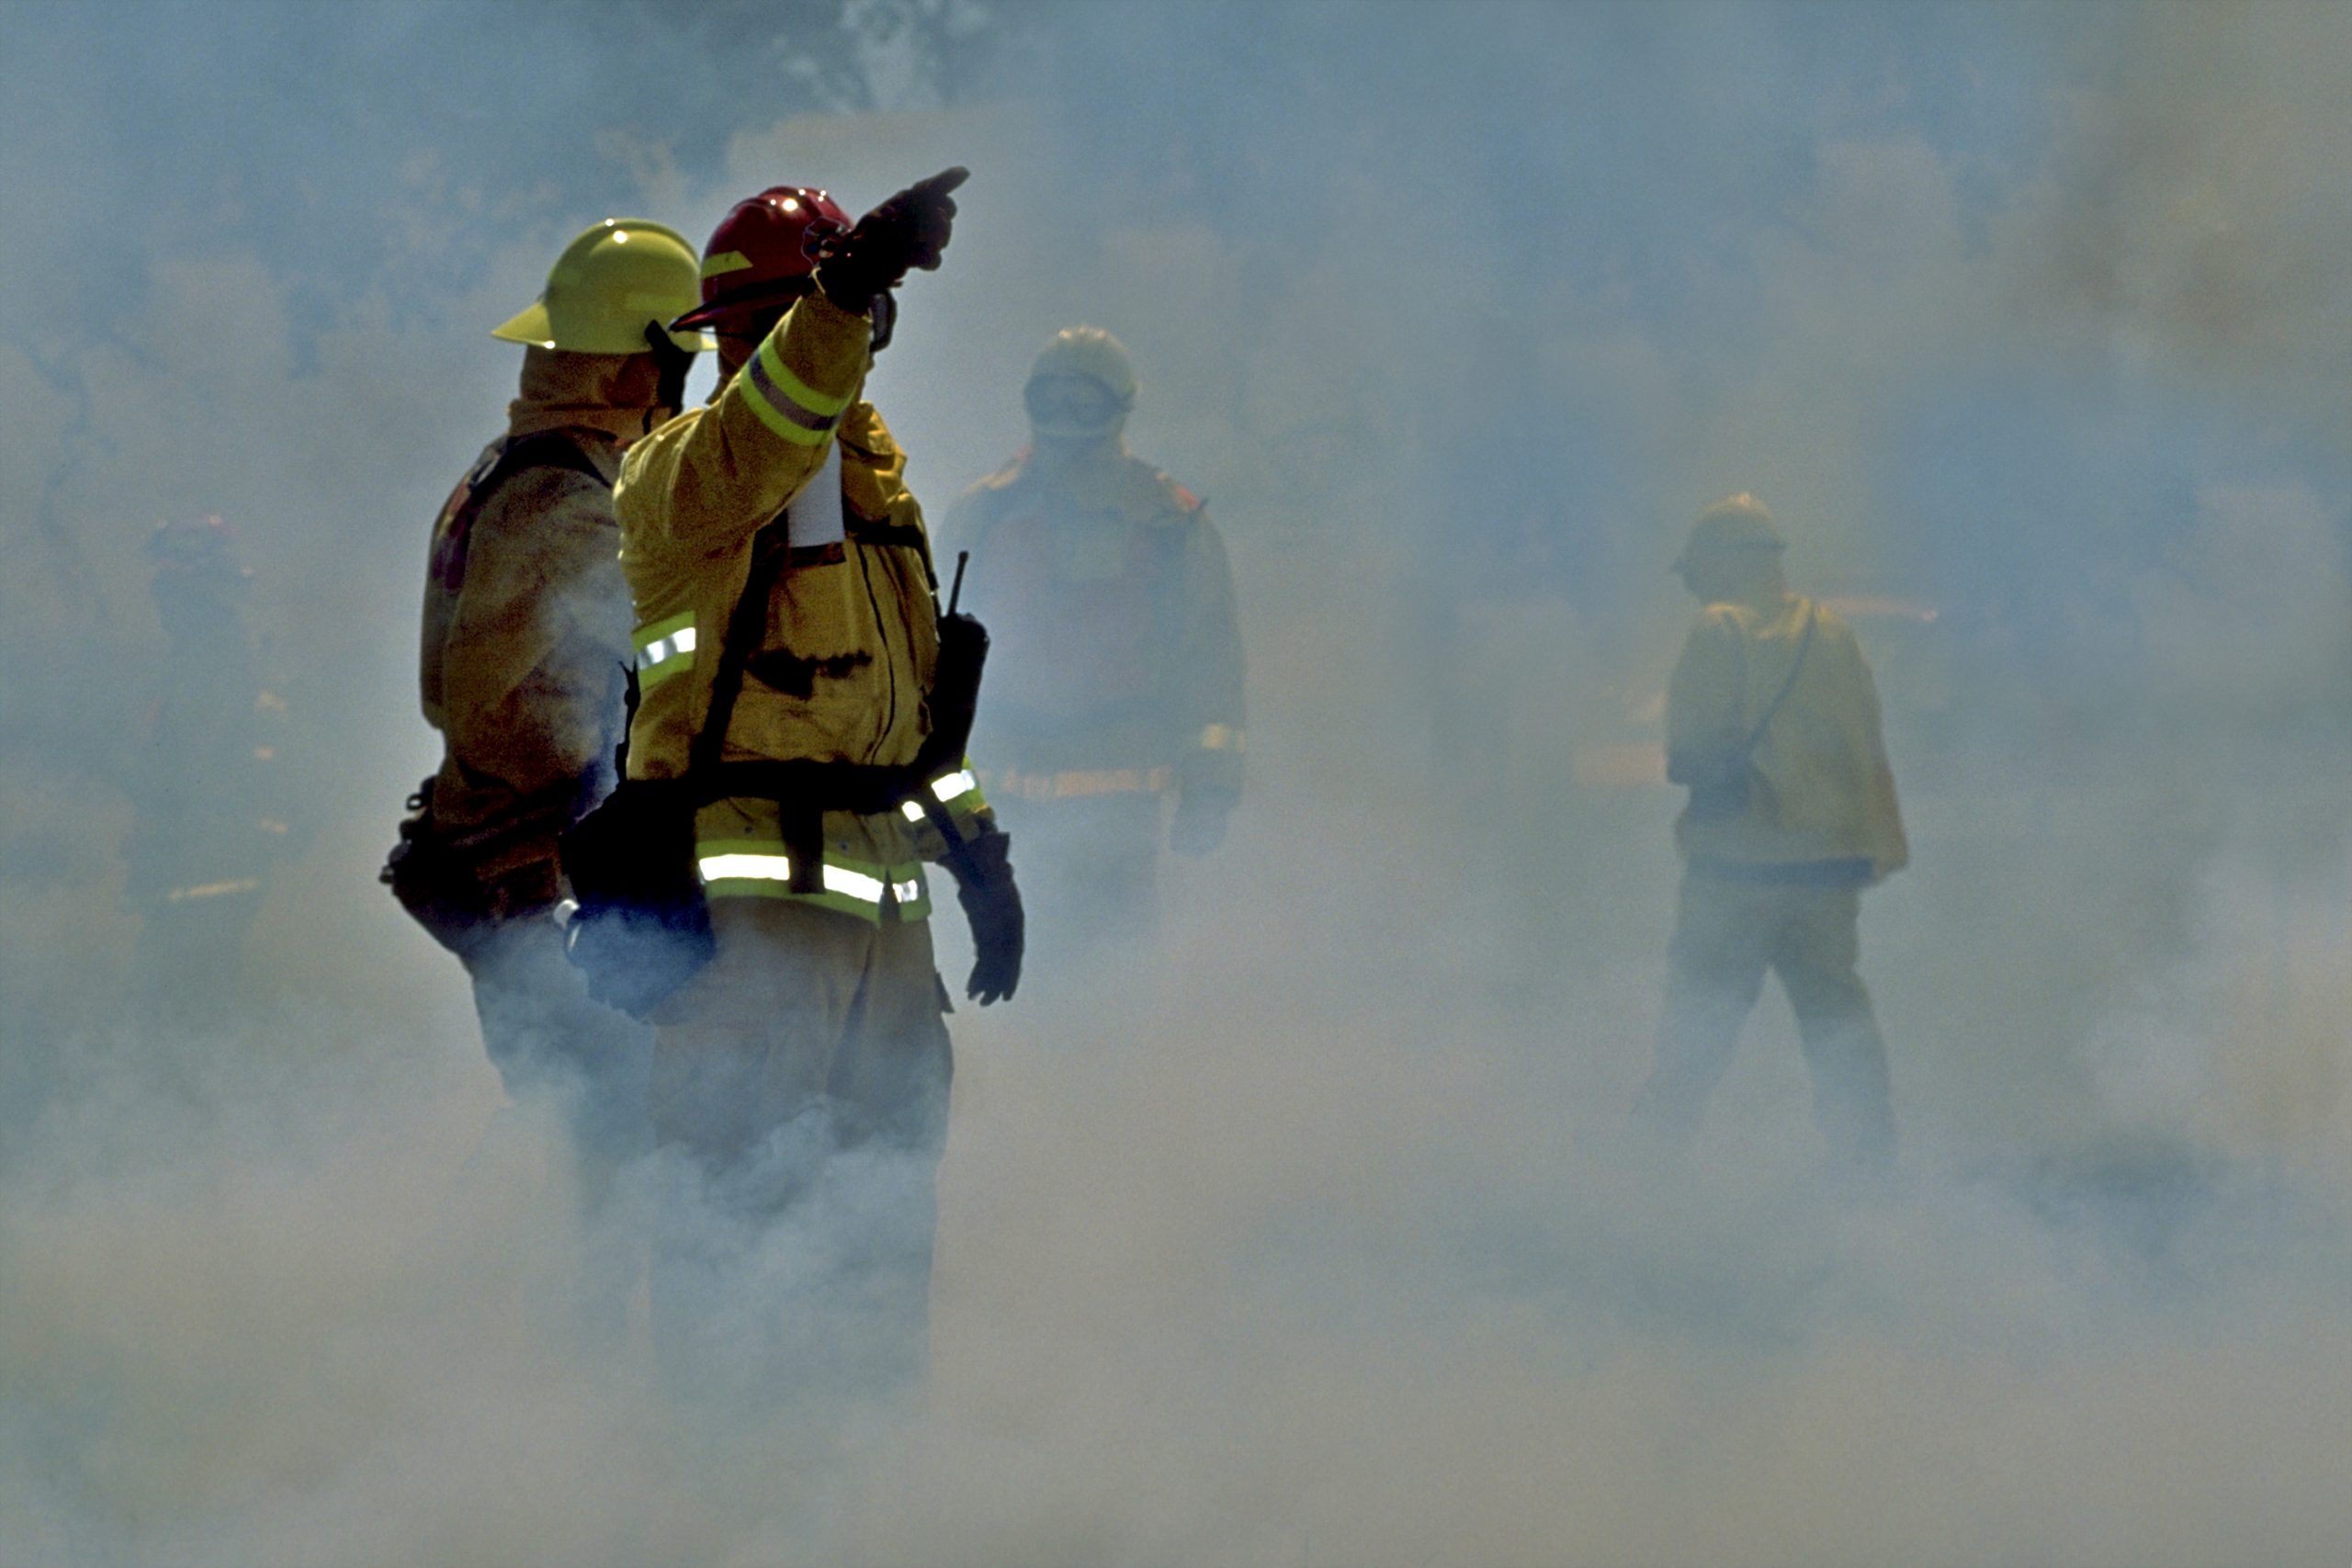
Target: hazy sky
(1315, 1241)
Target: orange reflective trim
(1074, 784)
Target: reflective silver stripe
(742, 867)
(666, 648)
(946, 789)
(854, 883)
(907, 891)
(739, 865)
(783, 404)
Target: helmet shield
(1072, 405)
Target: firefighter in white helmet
(524, 644)
(1115, 682)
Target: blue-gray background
(2030, 322)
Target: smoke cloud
(1314, 1234)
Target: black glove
(1198, 826)
(908, 231)
(670, 363)
(991, 903)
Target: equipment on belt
(643, 926)
(439, 876)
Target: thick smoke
(1318, 1237)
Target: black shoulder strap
(1805, 645)
(770, 555)
(540, 449)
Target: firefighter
(1772, 722)
(524, 653)
(788, 640)
(212, 814)
(1115, 682)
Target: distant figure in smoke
(1117, 682)
(789, 654)
(1772, 722)
(524, 653)
(213, 813)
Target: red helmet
(757, 261)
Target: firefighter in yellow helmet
(1772, 723)
(788, 657)
(1116, 678)
(525, 643)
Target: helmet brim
(533, 329)
(763, 299)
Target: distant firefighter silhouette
(1772, 723)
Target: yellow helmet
(1093, 353)
(1737, 522)
(607, 285)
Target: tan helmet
(607, 285)
(1093, 353)
(1737, 522)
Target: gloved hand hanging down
(906, 232)
(984, 885)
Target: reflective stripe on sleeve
(664, 648)
(958, 791)
(785, 403)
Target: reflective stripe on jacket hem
(758, 868)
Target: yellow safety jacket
(524, 630)
(850, 644)
(1117, 664)
(1825, 792)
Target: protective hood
(564, 390)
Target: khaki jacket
(1116, 661)
(850, 644)
(525, 635)
(1827, 792)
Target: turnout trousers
(800, 1088)
(1727, 934)
(546, 1036)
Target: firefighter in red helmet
(1117, 682)
(788, 670)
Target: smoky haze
(1314, 1237)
